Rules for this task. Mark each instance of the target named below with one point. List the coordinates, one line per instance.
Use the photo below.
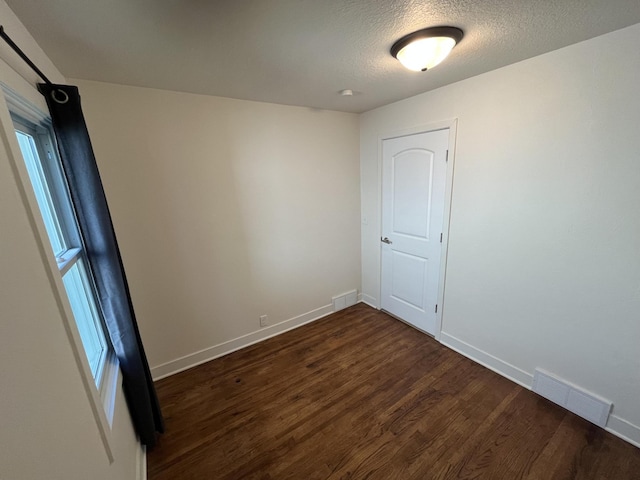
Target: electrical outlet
(264, 320)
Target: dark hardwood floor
(359, 395)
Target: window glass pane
(78, 286)
(41, 190)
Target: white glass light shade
(425, 53)
(426, 48)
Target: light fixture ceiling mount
(426, 48)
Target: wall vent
(345, 300)
(574, 399)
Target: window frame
(54, 200)
(102, 397)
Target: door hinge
(446, 159)
(440, 238)
(436, 308)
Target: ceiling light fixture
(426, 48)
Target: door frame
(452, 125)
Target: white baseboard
(369, 300)
(617, 426)
(207, 354)
(487, 360)
(141, 463)
(625, 430)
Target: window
(50, 188)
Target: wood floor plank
(359, 395)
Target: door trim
(448, 193)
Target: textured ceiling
(301, 52)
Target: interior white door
(414, 171)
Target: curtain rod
(22, 55)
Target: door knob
(386, 240)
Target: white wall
(47, 428)
(225, 210)
(544, 249)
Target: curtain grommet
(53, 95)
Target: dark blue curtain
(88, 198)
